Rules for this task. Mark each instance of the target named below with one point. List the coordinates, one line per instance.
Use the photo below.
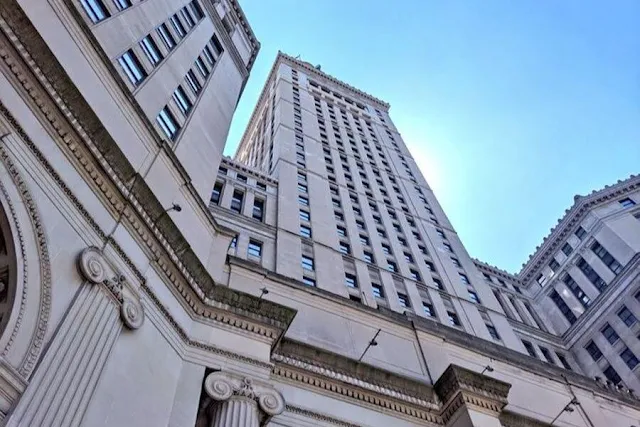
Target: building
(147, 281)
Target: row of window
(529, 347)
(97, 11)
(237, 201)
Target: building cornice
(231, 163)
(242, 19)
(570, 221)
(488, 268)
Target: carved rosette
(131, 313)
(92, 265)
(223, 387)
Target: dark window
(308, 281)
(168, 123)
(234, 242)
(200, 65)
(438, 283)
(255, 248)
(567, 249)
(303, 200)
(529, 347)
(378, 291)
(404, 300)
(493, 332)
(415, 275)
(95, 9)
(345, 248)
(547, 354)
(554, 265)
(391, 266)
(576, 290)
(408, 257)
(304, 215)
(591, 274)
(258, 209)
(606, 257)
(236, 201)
(151, 50)
(629, 358)
(627, 202)
(342, 232)
(193, 82)
(473, 296)
(181, 98)
(186, 14)
(593, 351)
(464, 278)
(368, 257)
(196, 10)
(217, 191)
(305, 231)
(563, 361)
(132, 68)
(562, 306)
(580, 233)
(428, 309)
(177, 26)
(453, 318)
(612, 375)
(355, 298)
(217, 47)
(351, 281)
(610, 333)
(627, 316)
(166, 36)
(307, 263)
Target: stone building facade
(148, 281)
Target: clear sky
(509, 107)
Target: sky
(510, 108)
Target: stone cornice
(90, 148)
(490, 393)
(570, 221)
(511, 419)
(234, 164)
(483, 266)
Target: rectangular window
(606, 257)
(345, 248)
(415, 275)
(217, 191)
(132, 68)
(591, 274)
(464, 278)
(95, 9)
(234, 242)
(447, 247)
(236, 201)
(392, 267)
(428, 309)
(580, 233)
(217, 46)
(493, 332)
(304, 215)
(368, 257)
(626, 202)
(610, 334)
(181, 98)
(258, 209)
(193, 82)
(593, 351)
(207, 54)
(168, 123)
(563, 307)
(305, 231)
(529, 347)
(629, 358)
(408, 257)
(403, 299)
(186, 14)
(364, 240)
(342, 232)
(453, 319)
(255, 248)
(304, 201)
(576, 290)
(473, 296)
(196, 10)
(627, 316)
(200, 65)
(567, 249)
(308, 281)
(166, 36)
(378, 291)
(351, 281)
(612, 375)
(177, 26)
(554, 265)
(307, 263)
(303, 188)
(547, 354)
(150, 49)
(438, 283)
(563, 360)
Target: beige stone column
(61, 387)
(238, 402)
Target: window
(308, 281)
(95, 9)
(305, 231)
(547, 354)
(355, 298)
(612, 375)
(591, 274)
(303, 188)
(473, 296)
(629, 358)
(440, 233)
(207, 54)
(456, 262)
(609, 333)
(342, 232)
(368, 257)
(151, 50)
(339, 216)
(438, 283)
(378, 291)
(132, 68)
(606, 257)
(304, 201)
(234, 242)
(487, 277)
(567, 249)
(305, 216)
(563, 307)
(351, 281)
(428, 310)
(529, 347)
(364, 240)
(217, 191)
(345, 248)
(626, 202)
(415, 275)
(194, 84)
(360, 225)
(408, 257)
(258, 209)
(404, 300)
(166, 36)
(196, 10)
(576, 290)
(593, 350)
(255, 248)
(217, 47)
(423, 249)
(181, 98)
(392, 267)
(580, 233)
(236, 201)
(430, 266)
(307, 263)
(554, 265)
(187, 17)
(453, 319)
(493, 332)
(464, 278)
(204, 71)
(447, 247)
(168, 123)
(627, 316)
(563, 361)
(386, 249)
(177, 26)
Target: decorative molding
(511, 419)
(131, 313)
(317, 416)
(35, 347)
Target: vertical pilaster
(236, 412)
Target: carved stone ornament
(221, 387)
(131, 313)
(92, 265)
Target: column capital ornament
(221, 386)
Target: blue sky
(509, 107)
